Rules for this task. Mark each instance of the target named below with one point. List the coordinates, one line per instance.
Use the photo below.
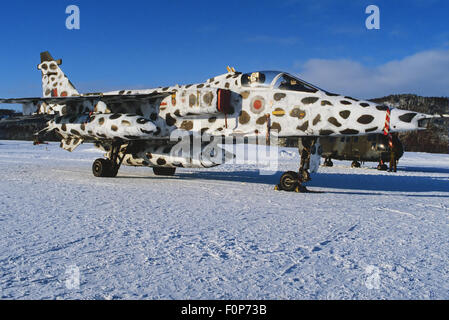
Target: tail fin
(54, 82)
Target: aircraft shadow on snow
(361, 182)
(381, 183)
(424, 169)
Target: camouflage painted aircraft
(134, 127)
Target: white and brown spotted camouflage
(232, 104)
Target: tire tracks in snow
(396, 211)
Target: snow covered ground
(221, 233)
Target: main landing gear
(162, 171)
(328, 162)
(355, 164)
(293, 181)
(108, 168)
(382, 166)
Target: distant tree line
(433, 140)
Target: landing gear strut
(109, 167)
(293, 181)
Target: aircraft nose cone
(405, 120)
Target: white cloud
(425, 73)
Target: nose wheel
(290, 181)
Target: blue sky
(139, 44)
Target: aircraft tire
(161, 171)
(289, 181)
(328, 163)
(103, 168)
(355, 164)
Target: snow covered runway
(221, 233)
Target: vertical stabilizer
(54, 82)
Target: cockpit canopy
(276, 80)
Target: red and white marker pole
(387, 123)
(390, 137)
(387, 128)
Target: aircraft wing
(94, 97)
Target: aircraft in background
(136, 127)
(369, 148)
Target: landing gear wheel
(328, 163)
(161, 171)
(109, 167)
(355, 164)
(103, 168)
(289, 181)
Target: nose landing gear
(293, 181)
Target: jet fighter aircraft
(134, 127)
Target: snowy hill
(222, 233)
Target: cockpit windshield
(278, 80)
(288, 82)
(259, 79)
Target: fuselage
(291, 106)
(232, 104)
(147, 127)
